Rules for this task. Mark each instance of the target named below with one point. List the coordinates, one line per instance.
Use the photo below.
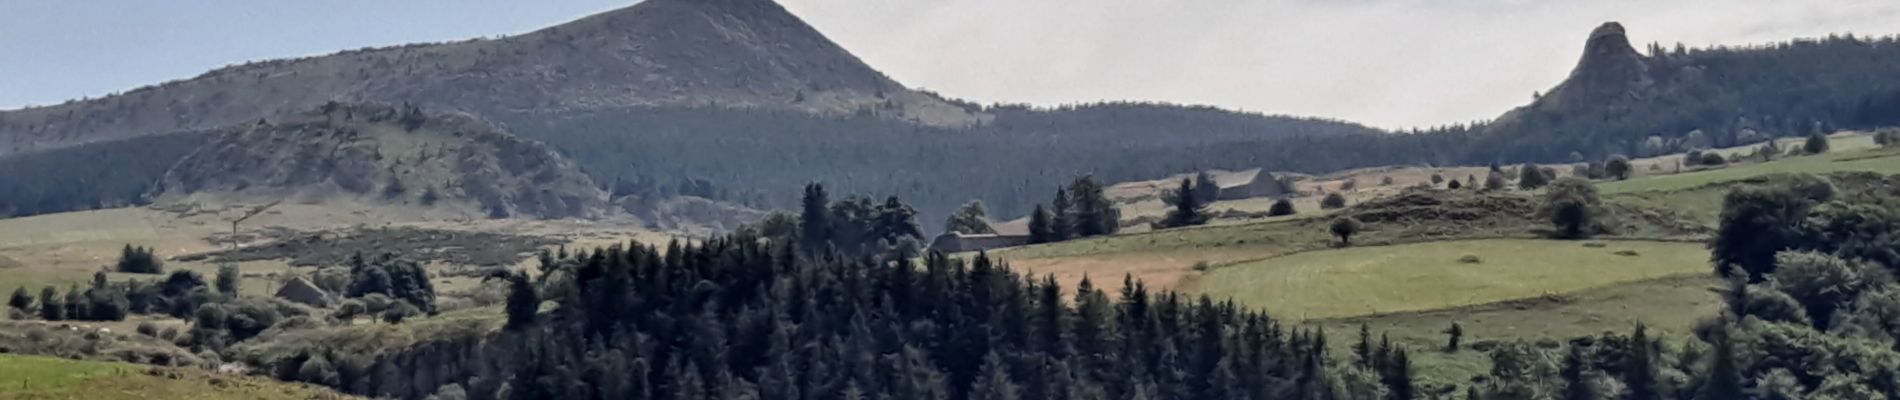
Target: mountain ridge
(724, 53)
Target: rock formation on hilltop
(1610, 69)
(386, 154)
(665, 53)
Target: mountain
(384, 154)
(1618, 100)
(747, 54)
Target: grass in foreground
(33, 377)
(1387, 279)
(1668, 306)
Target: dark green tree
(229, 279)
(21, 300)
(1758, 221)
(1574, 373)
(972, 218)
(1334, 200)
(1188, 209)
(1724, 377)
(1344, 228)
(1618, 167)
(1041, 228)
(1817, 143)
(1455, 334)
(815, 218)
(1639, 370)
(1062, 213)
(1205, 189)
(1531, 177)
(1572, 205)
(1281, 207)
(52, 306)
(993, 381)
(524, 302)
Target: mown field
(34, 377)
(1426, 276)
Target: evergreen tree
(523, 302)
(1094, 214)
(228, 279)
(1363, 351)
(1041, 228)
(815, 219)
(1188, 210)
(1399, 385)
(993, 382)
(21, 300)
(1334, 200)
(1618, 168)
(1724, 378)
(1456, 334)
(1493, 182)
(1062, 211)
(52, 306)
(1206, 191)
(1281, 207)
(1639, 373)
(1576, 381)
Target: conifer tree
(21, 300)
(1724, 378)
(52, 306)
(1639, 373)
(992, 382)
(1062, 211)
(1188, 210)
(972, 218)
(523, 302)
(228, 279)
(815, 218)
(1576, 384)
(1205, 189)
(1041, 228)
(1456, 334)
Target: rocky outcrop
(1610, 69)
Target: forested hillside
(103, 175)
(1010, 163)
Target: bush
(147, 328)
(1618, 168)
(1454, 185)
(1281, 207)
(1712, 159)
(1336, 201)
(1530, 177)
(1816, 144)
(1470, 259)
(1344, 228)
(1571, 205)
(1692, 158)
(1349, 184)
(139, 260)
(1386, 181)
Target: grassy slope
(1426, 276)
(32, 377)
(1873, 160)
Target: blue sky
(1388, 63)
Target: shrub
(1817, 143)
(147, 328)
(139, 260)
(1386, 181)
(1201, 266)
(1627, 253)
(1281, 207)
(1336, 201)
(1692, 158)
(1530, 177)
(1349, 184)
(1712, 159)
(1470, 259)
(1454, 185)
(1344, 228)
(1571, 205)
(1617, 167)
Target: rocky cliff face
(1610, 69)
(386, 154)
(680, 53)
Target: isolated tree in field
(1336, 201)
(1094, 214)
(1385, 181)
(972, 218)
(1281, 207)
(1205, 189)
(1572, 206)
(21, 300)
(1437, 179)
(1530, 177)
(1041, 229)
(816, 218)
(1349, 184)
(1617, 167)
(1455, 334)
(1454, 185)
(1817, 143)
(1188, 209)
(1344, 228)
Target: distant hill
(699, 53)
(1621, 101)
(383, 153)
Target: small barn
(300, 290)
(1007, 234)
(1250, 184)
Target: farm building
(1008, 234)
(302, 291)
(1250, 184)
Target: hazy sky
(1388, 63)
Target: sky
(1385, 63)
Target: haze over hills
(715, 53)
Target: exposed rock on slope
(386, 154)
(1610, 68)
(722, 53)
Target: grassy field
(31, 377)
(1426, 276)
(1885, 161)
